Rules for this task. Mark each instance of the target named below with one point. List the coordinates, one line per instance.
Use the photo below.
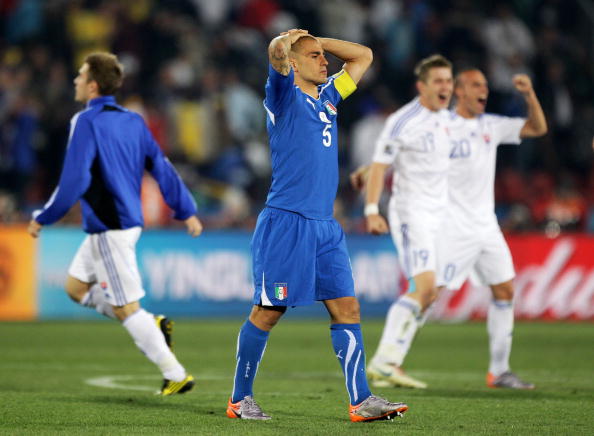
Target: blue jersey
(304, 143)
(109, 148)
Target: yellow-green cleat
(166, 327)
(170, 387)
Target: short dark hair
(296, 46)
(105, 69)
(425, 65)
(465, 69)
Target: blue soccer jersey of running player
(109, 148)
(304, 143)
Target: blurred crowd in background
(196, 71)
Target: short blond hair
(425, 65)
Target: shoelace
(251, 405)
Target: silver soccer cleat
(508, 380)
(376, 408)
(246, 409)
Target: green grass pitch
(88, 378)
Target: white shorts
(415, 237)
(109, 258)
(483, 252)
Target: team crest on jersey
(103, 285)
(330, 108)
(487, 138)
(280, 291)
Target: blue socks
(348, 346)
(251, 344)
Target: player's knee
(348, 312)
(425, 296)
(350, 316)
(75, 289)
(503, 291)
(431, 296)
(427, 299)
(271, 319)
(435, 293)
(265, 318)
(123, 312)
(73, 296)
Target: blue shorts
(297, 261)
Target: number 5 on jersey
(327, 136)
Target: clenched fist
(523, 84)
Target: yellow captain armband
(344, 84)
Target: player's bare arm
(279, 48)
(357, 58)
(359, 177)
(376, 224)
(536, 124)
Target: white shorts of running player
(484, 252)
(415, 236)
(109, 258)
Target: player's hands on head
(359, 177)
(523, 84)
(34, 228)
(376, 225)
(193, 225)
(295, 34)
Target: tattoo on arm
(279, 58)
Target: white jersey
(415, 140)
(472, 166)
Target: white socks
(500, 325)
(95, 299)
(401, 325)
(147, 336)
(404, 319)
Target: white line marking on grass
(134, 382)
(121, 381)
(115, 382)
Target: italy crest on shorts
(280, 291)
(330, 108)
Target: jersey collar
(104, 99)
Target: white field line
(550, 375)
(135, 382)
(115, 382)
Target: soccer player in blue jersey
(299, 251)
(109, 148)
